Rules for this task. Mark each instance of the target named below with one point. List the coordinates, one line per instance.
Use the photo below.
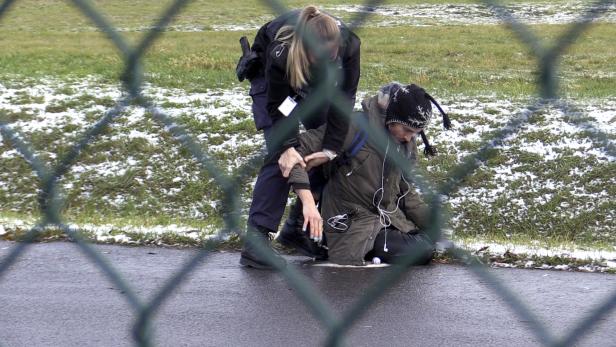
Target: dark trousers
(391, 245)
(271, 191)
(269, 198)
(270, 194)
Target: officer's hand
(312, 218)
(288, 160)
(315, 159)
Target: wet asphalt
(54, 296)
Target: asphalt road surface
(54, 296)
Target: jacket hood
(376, 114)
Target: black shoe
(252, 258)
(292, 236)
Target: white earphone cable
(384, 215)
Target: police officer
(287, 61)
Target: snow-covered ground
(528, 185)
(141, 157)
(453, 14)
(48, 112)
(473, 14)
(393, 14)
(593, 260)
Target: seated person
(370, 209)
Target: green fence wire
(51, 199)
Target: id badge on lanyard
(287, 106)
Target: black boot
(292, 235)
(251, 257)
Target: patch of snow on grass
(114, 233)
(237, 27)
(473, 119)
(573, 253)
(601, 259)
(471, 14)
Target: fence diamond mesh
(51, 199)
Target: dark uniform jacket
(351, 191)
(274, 54)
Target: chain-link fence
(51, 200)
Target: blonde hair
(312, 24)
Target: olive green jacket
(353, 189)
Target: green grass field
(482, 72)
(471, 60)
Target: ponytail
(312, 24)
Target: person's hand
(315, 159)
(288, 160)
(312, 218)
